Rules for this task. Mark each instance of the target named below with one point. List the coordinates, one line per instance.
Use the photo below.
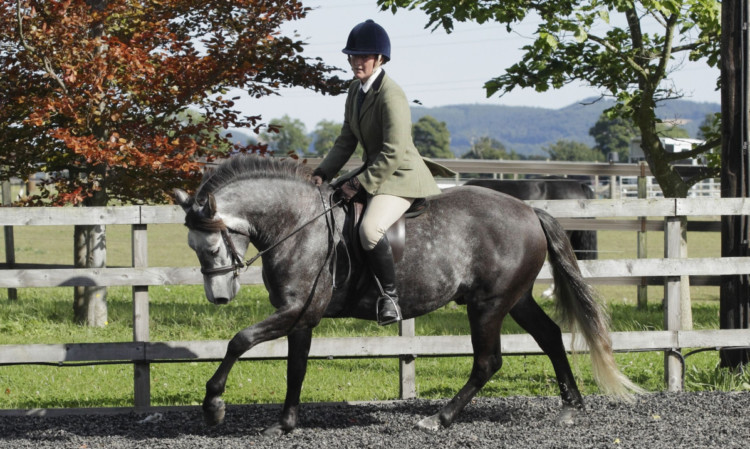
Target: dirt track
(687, 420)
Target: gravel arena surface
(658, 420)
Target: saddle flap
(396, 233)
(397, 238)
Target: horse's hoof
(568, 416)
(214, 411)
(274, 431)
(429, 424)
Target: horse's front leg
(296, 367)
(275, 326)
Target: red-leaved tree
(95, 94)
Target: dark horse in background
(584, 243)
(473, 246)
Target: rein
(237, 262)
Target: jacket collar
(370, 97)
(372, 80)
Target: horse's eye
(215, 252)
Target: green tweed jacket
(392, 164)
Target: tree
(667, 129)
(488, 148)
(568, 150)
(325, 134)
(710, 129)
(613, 135)
(92, 93)
(432, 138)
(287, 136)
(579, 40)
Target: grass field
(182, 313)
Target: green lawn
(182, 313)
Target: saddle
(354, 210)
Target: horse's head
(219, 249)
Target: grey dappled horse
(472, 245)
(585, 245)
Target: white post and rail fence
(664, 214)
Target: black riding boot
(381, 263)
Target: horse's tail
(580, 311)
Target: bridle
(237, 263)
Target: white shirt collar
(371, 79)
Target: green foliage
(324, 136)
(710, 129)
(489, 148)
(432, 138)
(665, 129)
(613, 134)
(567, 150)
(286, 135)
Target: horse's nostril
(221, 301)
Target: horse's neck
(270, 213)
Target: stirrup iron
(386, 297)
(396, 319)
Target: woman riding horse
(377, 116)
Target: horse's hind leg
(485, 321)
(548, 336)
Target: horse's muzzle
(221, 301)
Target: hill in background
(528, 129)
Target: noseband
(237, 262)
(217, 225)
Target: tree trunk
(671, 183)
(735, 290)
(90, 303)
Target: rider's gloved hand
(350, 188)
(317, 177)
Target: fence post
(614, 192)
(142, 369)
(10, 243)
(673, 362)
(642, 240)
(407, 369)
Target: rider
(377, 116)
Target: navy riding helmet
(368, 38)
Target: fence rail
(142, 352)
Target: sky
(433, 67)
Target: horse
(471, 245)
(585, 244)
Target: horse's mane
(241, 167)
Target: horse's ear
(209, 209)
(182, 198)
